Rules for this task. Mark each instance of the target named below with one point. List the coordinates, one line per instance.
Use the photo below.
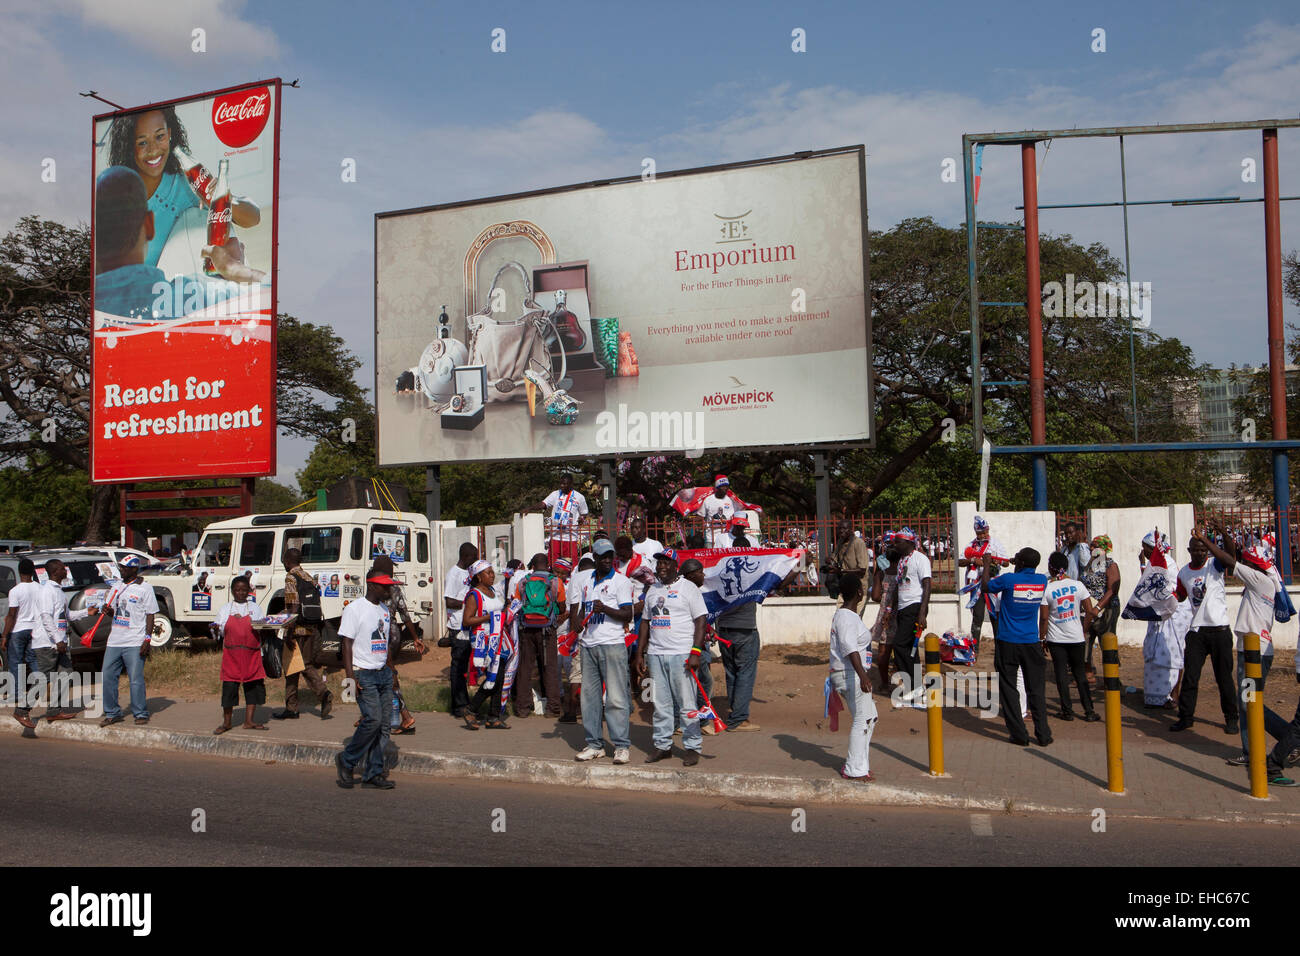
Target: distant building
(1219, 421)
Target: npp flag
(736, 576)
(688, 500)
(1154, 599)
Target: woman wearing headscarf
(1101, 578)
(1154, 601)
(484, 621)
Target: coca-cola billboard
(184, 246)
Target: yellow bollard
(1114, 740)
(1255, 721)
(934, 704)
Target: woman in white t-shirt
(850, 661)
(482, 621)
(1067, 610)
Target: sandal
(221, 730)
(408, 729)
(497, 724)
(252, 726)
(470, 722)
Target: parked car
(86, 568)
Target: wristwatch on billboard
(458, 402)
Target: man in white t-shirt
(454, 589)
(606, 605)
(642, 545)
(672, 637)
(367, 655)
(50, 639)
(1208, 635)
(572, 674)
(1260, 582)
(133, 606)
(565, 508)
(1066, 606)
(717, 510)
(913, 608)
(20, 623)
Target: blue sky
(413, 93)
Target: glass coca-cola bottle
(196, 174)
(219, 213)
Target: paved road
(128, 806)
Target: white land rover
(337, 549)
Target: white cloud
(165, 27)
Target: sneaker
(710, 730)
(1233, 726)
(622, 755)
(1241, 760)
(590, 753)
(691, 759)
(1294, 758)
(743, 726)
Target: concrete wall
(529, 536)
(1127, 527)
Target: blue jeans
(673, 690)
(375, 698)
(117, 659)
(1288, 737)
(607, 664)
(740, 661)
(18, 654)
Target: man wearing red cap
(717, 510)
(367, 659)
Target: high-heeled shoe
(561, 407)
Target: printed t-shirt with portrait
(367, 624)
(717, 512)
(1204, 586)
(849, 635)
(131, 606)
(613, 590)
(647, 549)
(455, 587)
(909, 589)
(670, 613)
(1064, 602)
(53, 605)
(1256, 613)
(1022, 596)
(565, 510)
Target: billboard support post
(823, 498)
(609, 489)
(433, 492)
(1034, 308)
(1276, 347)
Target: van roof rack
(274, 519)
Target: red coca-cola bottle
(196, 174)
(219, 211)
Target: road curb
(598, 775)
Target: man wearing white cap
(599, 614)
(133, 605)
(717, 510)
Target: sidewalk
(1167, 776)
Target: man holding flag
(672, 636)
(133, 606)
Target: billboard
(183, 223)
(717, 307)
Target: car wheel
(163, 631)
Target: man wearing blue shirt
(1018, 646)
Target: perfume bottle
(566, 323)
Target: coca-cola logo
(238, 118)
(222, 215)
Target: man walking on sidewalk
(50, 639)
(367, 660)
(21, 621)
(912, 610)
(1201, 582)
(298, 584)
(1018, 645)
(599, 613)
(454, 590)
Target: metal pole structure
(1034, 307)
(1276, 349)
(609, 488)
(976, 384)
(825, 536)
(433, 492)
(1128, 278)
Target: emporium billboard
(718, 307)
